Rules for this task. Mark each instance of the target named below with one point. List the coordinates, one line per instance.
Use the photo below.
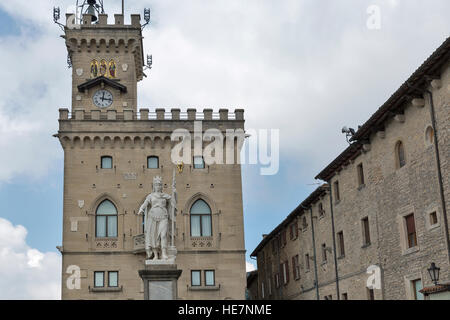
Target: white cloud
(250, 266)
(26, 273)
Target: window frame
(200, 278)
(324, 253)
(214, 278)
(95, 279)
(109, 279)
(116, 215)
(200, 215)
(400, 154)
(366, 231)
(307, 263)
(153, 157)
(408, 233)
(361, 178)
(341, 244)
(106, 157)
(321, 210)
(337, 193)
(194, 165)
(296, 267)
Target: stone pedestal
(160, 280)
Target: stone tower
(111, 154)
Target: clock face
(103, 98)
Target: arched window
(400, 153)
(106, 162)
(106, 220)
(429, 136)
(152, 162)
(201, 225)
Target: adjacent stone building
(112, 152)
(382, 214)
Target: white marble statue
(159, 210)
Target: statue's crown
(157, 179)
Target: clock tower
(107, 62)
(112, 153)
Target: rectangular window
(113, 279)
(296, 267)
(433, 218)
(366, 231)
(112, 226)
(285, 270)
(291, 232)
(345, 296)
(360, 175)
(341, 244)
(283, 238)
(417, 286)
(277, 280)
(307, 265)
(324, 252)
(152, 162)
(195, 226)
(99, 279)
(337, 195)
(262, 290)
(370, 294)
(199, 162)
(411, 230)
(196, 280)
(210, 278)
(321, 210)
(100, 227)
(106, 162)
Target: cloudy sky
(305, 67)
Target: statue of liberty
(158, 208)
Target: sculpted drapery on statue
(159, 210)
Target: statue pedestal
(160, 280)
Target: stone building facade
(383, 210)
(112, 152)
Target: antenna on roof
(146, 17)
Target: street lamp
(434, 273)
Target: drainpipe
(316, 284)
(316, 278)
(334, 241)
(438, 163)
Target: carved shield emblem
(79, 72)
(81, 203)
(125, 67)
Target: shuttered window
(411, 231)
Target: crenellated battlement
(145, 114)
(119, 21)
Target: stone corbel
(399, 118)
(418, 102)
(436, 84)
(381, 134)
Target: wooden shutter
(410, 224)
